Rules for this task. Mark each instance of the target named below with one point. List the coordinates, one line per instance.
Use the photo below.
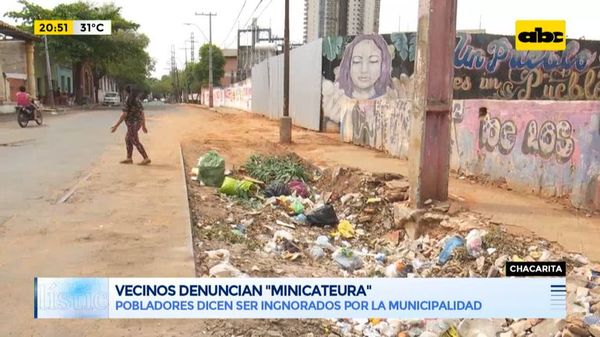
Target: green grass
(275, 168)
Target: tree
(160, 88)
(121, 55)
(201, 68)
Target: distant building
(231, 67)
(106, 84)
(16, 64)
(62, 80)
(340, 18)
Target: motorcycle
(25, 115)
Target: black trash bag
(322, 216)
(276, 189)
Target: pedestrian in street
(134, 117)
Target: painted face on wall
(365, 69)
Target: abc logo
(540, 35)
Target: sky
(164, 23)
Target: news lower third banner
(299, 297)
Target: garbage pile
(345, 222)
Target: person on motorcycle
(24, 100)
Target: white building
(106, 84)
(340, 17)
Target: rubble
(379, 235)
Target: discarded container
(300, 218)
(324, 215)
(211, 168)
(474, 243)
(297, 207)
(276, 189)
(345, 230)
(299, 187)
(373, 200)
(347, 259)
(449, 246)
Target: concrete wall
(541, 132)
(13, 56)
(238, 95)
(545, 147)
(305, 81)
(13, 63)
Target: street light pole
(285, 126)
(210, 57)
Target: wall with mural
(237, 95)
(542, 107)
(546, 147)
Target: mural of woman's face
(365, 66)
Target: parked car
(111, 98)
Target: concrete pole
(49, 89)
(210, 63)
(31, 84)
(430, 126)
(285, 126)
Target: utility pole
(185, 87)
(429, 147)
(50, 89)
(192, 46)
(285, 126)
(210, 57)
(174, 75)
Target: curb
(188, 209)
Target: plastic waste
(380, 258)
(232, 186)
(297, 207)
(300, 218)
(211, 169)
(324, 215)
(474, 243)
(449, 246)
(276, 189)
(316, 252)
(323, 242)
(347, 259)
(345, 230)
(299, 187)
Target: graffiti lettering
(462, 83)
(551, 139)
(494, 134)
(490, 83)
(466, 56)
(500, 50)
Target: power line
(264, 8)
(234, 22)
(254, 11)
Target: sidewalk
(123, 221)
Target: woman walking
(134, 117)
